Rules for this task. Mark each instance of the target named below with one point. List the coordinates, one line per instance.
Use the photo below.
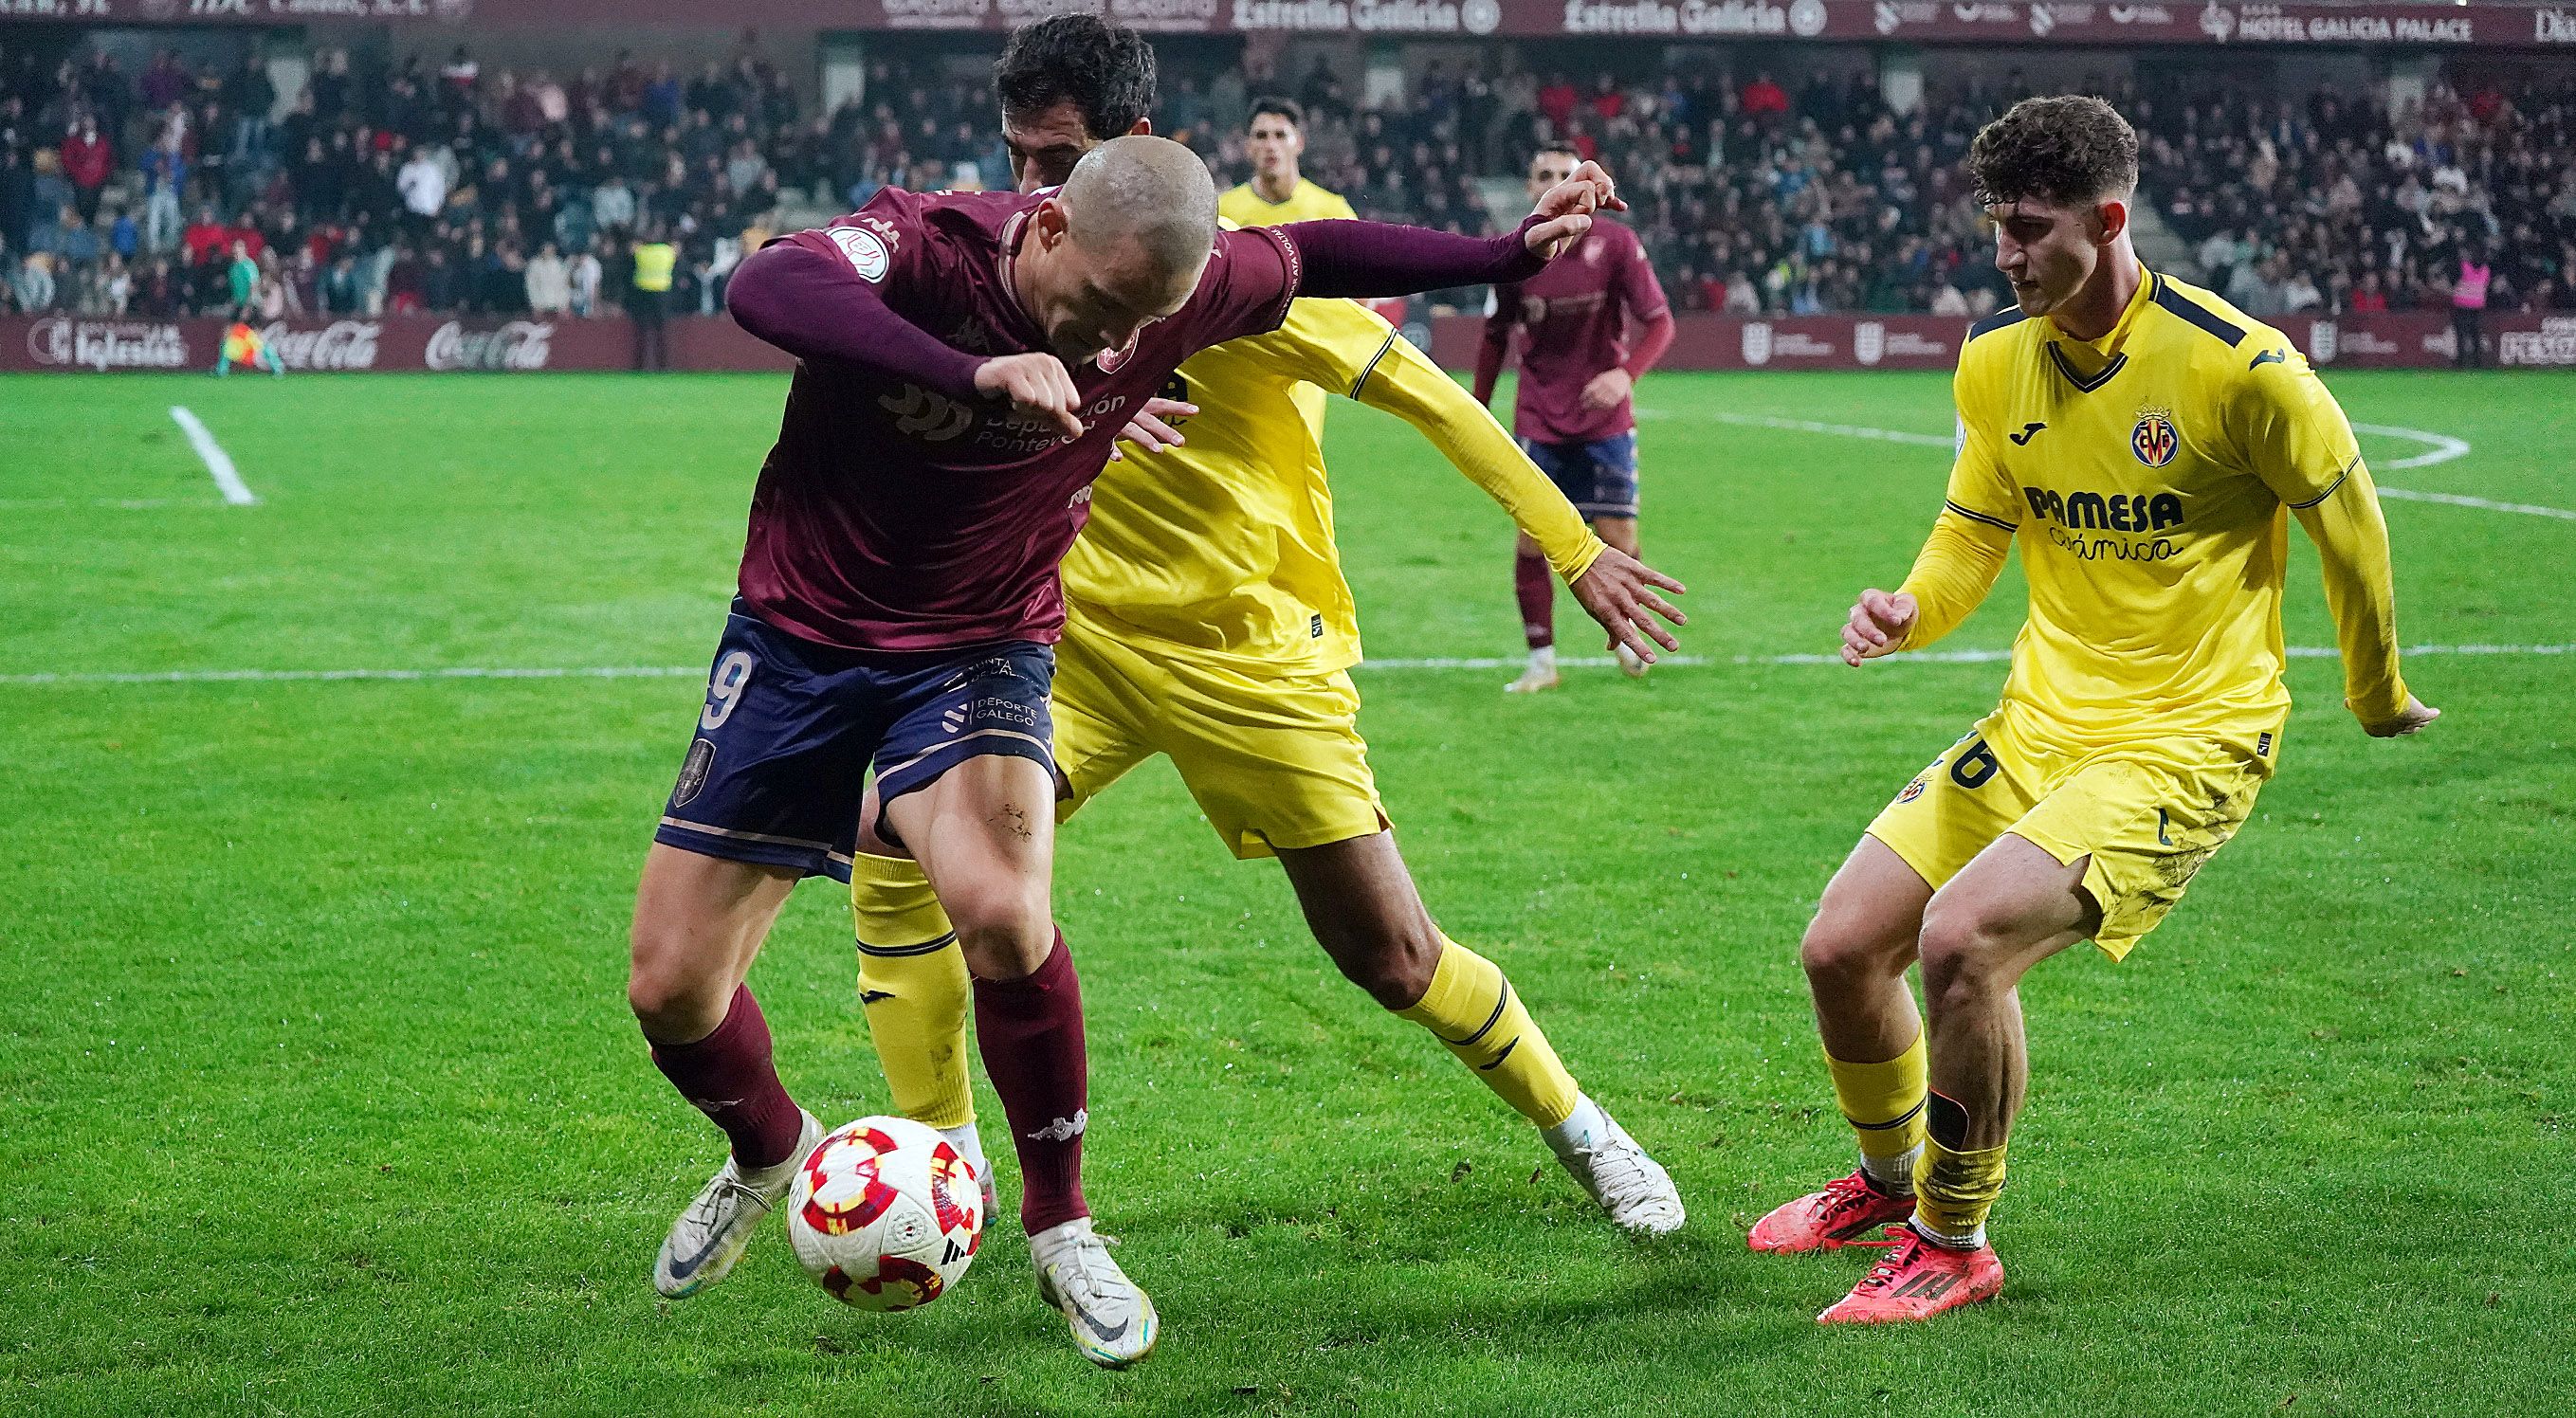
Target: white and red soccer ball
(885, 1214)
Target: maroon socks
(728, 1076)
(1536, 586)
(1030, 1032)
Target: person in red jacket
(86, 161)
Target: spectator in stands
(87, 160)
(33, 285)
(549, 282)
(585, 274)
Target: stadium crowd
(438, 186)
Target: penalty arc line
(1397, 664)
(2441, 448)
(219, 463)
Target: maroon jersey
(1576, 315)
(906, 514)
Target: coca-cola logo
(102, 345)
(517, 347)
(342, 344)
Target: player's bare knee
(672, 1001)
(1965, 959)
(1394, 966)
(1839, 949)
(1004, 933)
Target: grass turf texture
(323, 1097)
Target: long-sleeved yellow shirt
(2147, 477)
(1222, 549)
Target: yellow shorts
(1274, 761)
(2148, 814)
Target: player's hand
(1878, 625)
(2409, 720)
(1619, 591)
(1566, 209)
(1148, 431)
(1608, 389)
(1038, 386)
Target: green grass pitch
(322, 1096)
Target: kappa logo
(2155, 440)
(1064, 1129)
(931, 417)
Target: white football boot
(1541, 673)
(1113, 1323)
(1632, 664)
(710, 1236)
(1630, 1186)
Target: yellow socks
(1884, 1104)
(1954, 1191)
(1473, 1010)
(1956, 1187)
(913, 986)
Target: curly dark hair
(1105, 70)
(2067, 148)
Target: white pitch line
(218, 462)
(2443, 448)
(2456, 500)
(1436, 662)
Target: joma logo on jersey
(931, 417)
(2115, 513)
(2155, 439)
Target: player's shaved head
(1148, 190)
(1122, 245)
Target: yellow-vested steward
(2148, 478)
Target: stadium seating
(440, 186)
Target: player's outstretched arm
(2352, 546)
(1620, 592)
(1375, 259)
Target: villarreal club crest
(2155, 440)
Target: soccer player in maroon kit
(1572, 414)
(898, 603)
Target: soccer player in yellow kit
(1207, 619)
(2145, 444)
(1275, 137)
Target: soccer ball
(885, 1214)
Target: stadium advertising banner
(411, 343)
(2306, 23)
(421, 343)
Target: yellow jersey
(2147, 477)
(1306, 203)
(1221, 551)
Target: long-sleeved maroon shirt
(902, 512)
